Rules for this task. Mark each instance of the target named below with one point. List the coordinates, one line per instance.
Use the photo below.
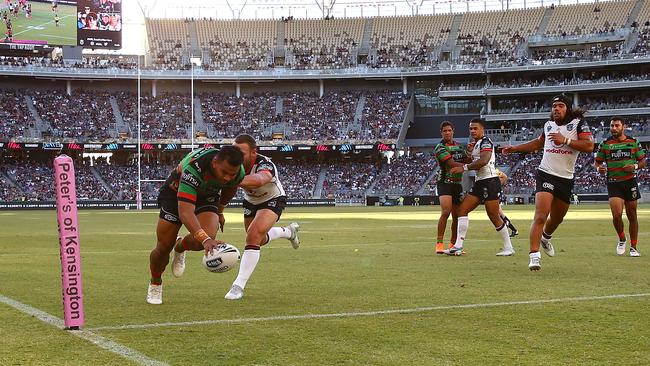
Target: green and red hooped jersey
(443, 153)
(193, 179)
(617, 154)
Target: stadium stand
(169, 42)
(408, 41)
(167, 116)
(83, 115)
(594, 18)
(227, 116)
(298, 178)
(404, 175)
(312, 118)
(323, 44)
(14, 116)
(348, 180)
(236, 44)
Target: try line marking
(96, 339)
(369, 313)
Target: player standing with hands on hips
(564, 136)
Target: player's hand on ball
(210, 244)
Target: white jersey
(560, 160)
(488, 170)
(268, 191)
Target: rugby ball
(222, 258)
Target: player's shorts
(450, 189)
(486, 189)
(627, 190)
(276, 205)
(168, 204)
(560, 187)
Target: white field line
(88, 335)
(367, 313)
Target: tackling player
(486, 189)
(264, 201)
(620, 156)
(449, 154)
(564, 136)
(195, 195)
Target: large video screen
(99, 23)
(36, 22)
(87, 23)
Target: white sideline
(369, 313)
(96, 339)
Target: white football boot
(548, 247)
(620, 248)
(535, 259)
(235, 293)
(295, 241)
(634, 252)
(154, 294)
(178, 261)
(506, 252)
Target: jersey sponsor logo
(569, 127)
(548, 185)
(621, 154)
(247, 211)
(272, 204)
(170, 217)
(190, 179)
(558, 151)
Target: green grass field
(42, 28)
(332, 301)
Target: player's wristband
(465, 168)
(567, 142)
(201, 236)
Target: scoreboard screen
(99, 23)
(30, 24)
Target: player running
(264, 201)
(449, 154)
(564, 136)
(486, 189)
(195, 195)
(621, 156)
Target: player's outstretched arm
(253, 181)
(527, 147)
